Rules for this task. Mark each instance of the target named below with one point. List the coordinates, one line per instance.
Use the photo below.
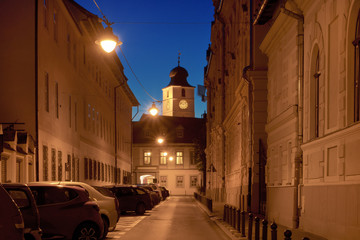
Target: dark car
(155, 196)
(165, 193)
(132, 198)
(66, 212)
(25, 201)
(11, 221)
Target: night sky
(153, 33)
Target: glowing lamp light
(108, 45)
(171, 158)
(153, 110)
(165, 154)
(108, 41)
(160, 140)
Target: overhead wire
(127, 62)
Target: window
(180, 132)
(57, 100)
(90, 169)
(163, 181)
(46, 13)
(180, 181)
(179, 158)
(73, 168)
(95, 170)
(192, 158)
(147, 157)
(3, 169)
(19, 197)
(183, 92)
(75, 116)
(59, 165)
(45, 163)
(356, 83)
(68, 46)
(314, 95)
(53, 164)
(46, 90)
(193, 181)
(55, 21)
(163, 156)
(68, 168)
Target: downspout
(223, 91)
(131, 147)
(299, 153)
(36, 94)
(250, 108)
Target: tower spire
(179, 59)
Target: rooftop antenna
(179, 59)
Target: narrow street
(179, 217)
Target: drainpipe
(223, 89)
(250, 107)
(299, 154)
(36, 94)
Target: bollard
(257, 228)
(224, 215)
(243, 224)
(238, 219)
(273, 231)
(250, 226)
(234, 218)
(264, 229)
(228, 215)
(287, 235)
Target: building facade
(236, 86)
(167, 149)
(71, 96)
(313, 124)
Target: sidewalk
(217, 216)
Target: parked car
(106, 192)
(165, 193)
(67, 212)
(132, 198)
(154, 195)
(25, 201)
(11, 221)
(108, 205)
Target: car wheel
(86, 231)
(106, 226)
(140, 209)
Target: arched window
(315, 94)
(183, 92)
(356, 44)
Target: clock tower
(178, 96)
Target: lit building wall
(73, 93)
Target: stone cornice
(282, 118)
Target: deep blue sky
(153, 32)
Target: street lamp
(153, 110)
(108, 41)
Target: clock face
(183, 104)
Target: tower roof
(178, 77)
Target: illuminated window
(179, 158)
(163, 157)
(147, 158)
(163, 181)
